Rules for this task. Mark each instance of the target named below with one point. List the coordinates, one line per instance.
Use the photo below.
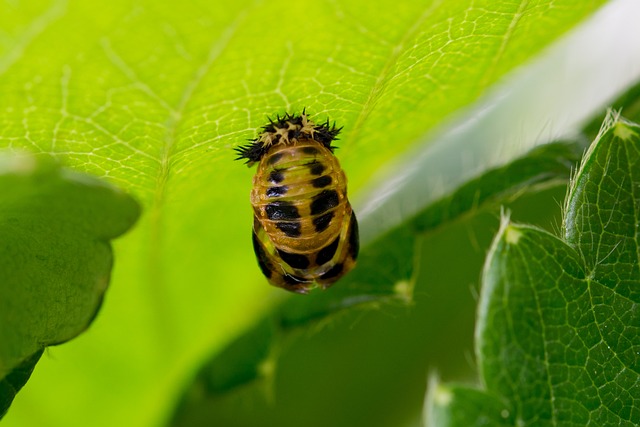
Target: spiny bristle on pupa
(287, 130)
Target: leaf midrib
(155, 211)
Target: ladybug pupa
(305, 233)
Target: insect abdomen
(299, 196)
(304, 230)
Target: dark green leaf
(558, 333)
(11, 384)
(55, 257)
(603, 208)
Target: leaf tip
(623, 131)
(512, 235)
(442, 395)
(404, 290)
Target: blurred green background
(371, 367)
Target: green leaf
(11, 384)
(459, 406)
(602, 212)
(153, 96)
(251, 357)
(55, 258)
(557, 331)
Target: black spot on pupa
(333, 272)
(309, 150)
(290, 228)
(325, 254)
(282, 210)
(275, 158)
(277, 191)
(316, 168)
(322, 222)
(321, 182)
(354, 238)
(276, 177)
(324, 201)
(294, 260)
(261, 256)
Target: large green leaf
(152, 96)
(557, 334)
(55, 258)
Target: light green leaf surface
(557, 333)
(55, 258)
(152, 96)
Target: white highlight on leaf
(17, 163)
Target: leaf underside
(55, 259)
